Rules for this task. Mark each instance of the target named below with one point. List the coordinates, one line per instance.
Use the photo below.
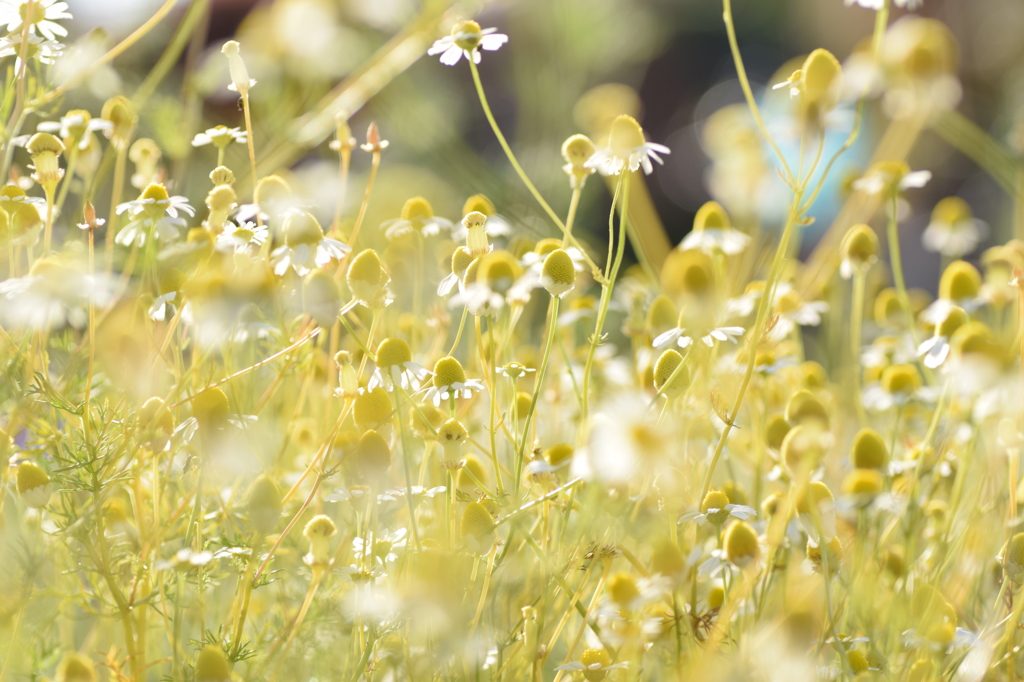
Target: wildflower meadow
(283, 401)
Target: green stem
(552, 330)
(606, 295)
(519, 169)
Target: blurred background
(669, 61)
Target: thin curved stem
(741, 73)
(519, 169)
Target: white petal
(451, 56)
(915, 179)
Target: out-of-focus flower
(305, 245)
(891, 176)
(46, 51)
(41, 15)
(953, 231)
(76, 127)
(54, 293)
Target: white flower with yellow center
(305, 246)
(891, 176)
(466, 39)
(220, 137)
(42, 16)
(627, 148)
(953, 231)
(153, 212)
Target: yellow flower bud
(623, 590)
(667, 364)
(821, 81)
(869, 450)
(959, 281)
(559, 273)
(372, 409)
(804, 407)
(212, 665)
(741, 544)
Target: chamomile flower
(627, 148)
(382, 546)
(935, 350)
(793, 311)
(712, 233)
(716, 509)
(46, 51)
(466, 39)
(891, 176)
(450, 382)
(154, 212)
(595, 664)
(395, 366)
(417, 217)
(76, 127)
(499, 280)
(959, 286)
(515, 370)
(461, 262)
(684, 334)
(494, 224)
(42, 16)
(953, 231)
(625, 442)
(220, 137)
(305, 246)
(242, 238)
(54, 293)
(860, 250)
(899, 385)
(534, 260)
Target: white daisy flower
(53, 294)
(466, 39)
(153, 212)
(418, 492)
(627, 148)
(242, 238)
(220, 137)
(409, 375)
(719, 516)
(381, 547)
(683, 336)
(305, 246)
(535, 261)
(46, 51)
(77, 125)
(514, 370)
(450, 382)
(953, 231)
(594, 664)
(496, 226)
(713, 240)
(456, 389)
(891, 176)
(417, 217)
(793, 311)
(45, 14)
